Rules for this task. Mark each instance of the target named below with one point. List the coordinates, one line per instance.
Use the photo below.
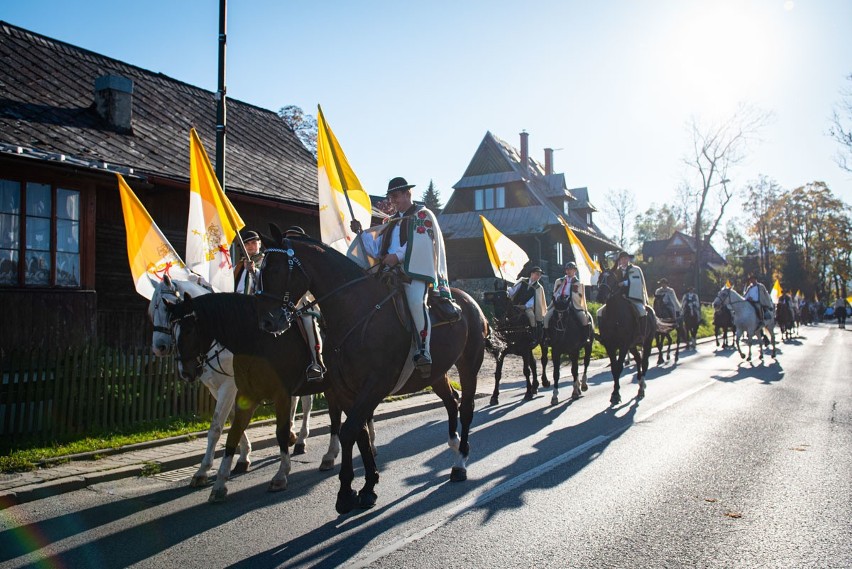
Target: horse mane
(181, 286)
(340, 263)
(230, 318)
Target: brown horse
(517, 339)
(367, 349)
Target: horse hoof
(240, 468)
(641, 395)
(528, 396)
(326, 464)
(199, 480)
(575, 396)
(277, 485)
(366, 499)
(584, 386)
(458, 474)
(554, 400)
(494, 400)
(293, 439)
(299, 449)
(615, 399)
(545, 382)
(217, 496)
(346, 502)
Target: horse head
(723, 296)
(606, 286)
(281, 282)
(190, 346)
(162, 340)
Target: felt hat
(398, 184)
(570, 265)
(249, 235)
(536, 269)
(297, 230)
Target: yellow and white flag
(588, 270)
(341, 197)
(507, 258)
(213, 222)
(150, 254)
(728, 284)
(776, 292)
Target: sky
(411, 88)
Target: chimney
(525, 150)
(548, 161)
(114, 101)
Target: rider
(528, 295)
(412, 239)
(246, 274)
(690, 299)
(632, 281)
(669, 298)
(569, 289)
(308, 325)
(757, 295)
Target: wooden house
(523, 199)
(674, 259)
(69, 120)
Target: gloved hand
(355, 226)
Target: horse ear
(187, 297)
(275, 231)
(167, 280)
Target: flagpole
(336, 162)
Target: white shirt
(373, 244)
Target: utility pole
(221, 96)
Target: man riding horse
(528, 295)
(569, 291)
(632, 282)
(690, 301)
(668, 298)
(757, 295)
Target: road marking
(520, 480)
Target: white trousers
(314, 339)
(415, 293)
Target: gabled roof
(47, 109)
(679, 239)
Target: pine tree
(430, 198)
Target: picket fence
(48, 395)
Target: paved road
(723, 464)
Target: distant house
(69, 120)
(523, 199)
(674, 258)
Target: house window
(589, 218)
(39, 235)
(558, 246)
(490, 198)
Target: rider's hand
(390, 260)
(355, 226)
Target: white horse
(746, 320)
(218, 376)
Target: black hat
(663, 280)
(398, 184)
(536, 269)
(624, 254)
(295, 229)
(249, 235)
(570, 265)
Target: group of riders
(411, 245)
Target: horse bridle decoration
(201, 359)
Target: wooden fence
(54, 395)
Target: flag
(150, 254)
(341, 197)
(728, 284)
(507, 258)
(213, 222)
(799, 295)
(588, 270)
(776, 292)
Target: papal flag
(150, 254)
(507, 258)
(776, 292)
(213, 221)
(341, 197)
(728, 283)
(588, 270)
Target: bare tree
(716, 148)
(303, 125)
(621, 204)
(841, 128)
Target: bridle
(202, 359)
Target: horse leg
(283, 408)
(367, 496)
(575, 373)
(453, 406)
(616, 362)
(677, 344)
(305, 431)
(544, 381)
(587, 357)
(242, 416)
(334, 415)
(217, 425)
(228, 391)
(660, 340)
(534, 370)
(557, 372)
(526, 356)
(498, 373)
(641, 368)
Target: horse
(217, 374)
(368, 348)
(567, 335)
(667, 323)
(266, 367)
(622, 332)
(512, 327)
(786, 318)
(691, 322)
(745, 320)
(722, 320)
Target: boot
(423, 363)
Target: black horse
(567, 335)
(667, 324)
(266, 367)
(691, 322)
(785, 317)
(623, 332)
(368, 349)
(512, 327)
(723, 320)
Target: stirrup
(314, 373)
(423, 364)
